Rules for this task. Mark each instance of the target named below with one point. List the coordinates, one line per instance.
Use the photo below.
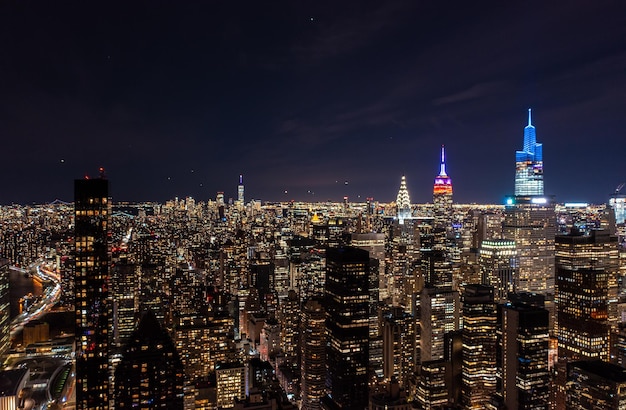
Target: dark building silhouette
(595, 385)
(522, 357)
(92, 210)
(150, 374)
(347, 306)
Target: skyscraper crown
(403, 201)
(529, 163)
(443, 183)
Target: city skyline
(179, 100)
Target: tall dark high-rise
(313, 354)
(92, 246)
(347, 307)
(522, 375)
(479, 346)
(586, 293)
(398, 328)
(150, 374)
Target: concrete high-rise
(92, 247)
(347, 307)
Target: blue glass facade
(529, 164)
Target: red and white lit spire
(443, 183)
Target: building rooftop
(12, 381)
(602, 369)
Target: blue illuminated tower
(529, 164)
(530, 220)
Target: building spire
(442, 171)
(530, 124)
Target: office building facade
(522, 356)
(92, 210)
(498, 266)
(586, 293)
(479, 346)
(347, 307)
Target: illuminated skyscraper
(313, 354)
(231, 384)
(92, 253)
(529, 164)
(586, 293)
(374, 243)
(439, 314)
(498, 266)
(240, 197)
(617, 202)
(522, 357)
(125, 279)
(398, 328)
(530, 220)
(531, 223)
(479, 346)
(403, 202)
(347, 306)
(442, 197)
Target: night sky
(322, 99)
